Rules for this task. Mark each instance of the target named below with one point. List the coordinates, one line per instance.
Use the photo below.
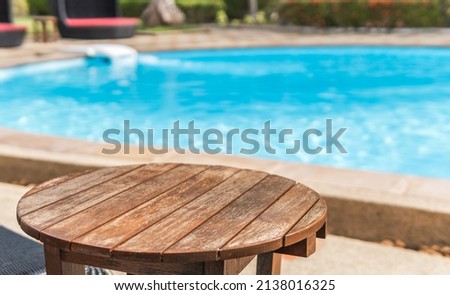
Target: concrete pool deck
(363, 205)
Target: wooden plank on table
(62, 209)
(62, 233)
(104, 238)
(312, 222)
(72, 186)
(150, 243)
(267, 231)
(55, 181)
(208, 238)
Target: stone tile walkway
(213, 37)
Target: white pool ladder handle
(112, 52)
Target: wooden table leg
(227, 267)
(55, 266)
(268, 264)
(216, 268)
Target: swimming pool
(394, 102)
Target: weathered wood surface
(110, 235)
(216, 231)
(312, 222)
(168, 231)
(266, 232)
(62, 233)
(38, 198)
(176, 214)
(71, 205)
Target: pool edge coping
(370, 206)
(378, 187)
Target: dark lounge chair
(10, 34)
(92, 19)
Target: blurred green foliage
(197, 11)
(221, 18)
(39, 7)
(132, 8)
(356, 13)
(363, 14)
(20, 7)
(238, 9)
(201, 11)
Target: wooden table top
(171, 212)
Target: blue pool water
(394, 102)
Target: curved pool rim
(205, 50)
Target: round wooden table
(172, 219)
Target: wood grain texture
(135, 267)
(44, 186)
(64, 232)
(227, 267)
(150, 243)
(268, 264)
(216, 268)
(266, 233)
(69, 268)
(303, 248)
(55, 265)
(216, 232)
(172, 219)
(52, 260)
(106, 237)
(242, 262)
(55, 181)
(35, 201)
(311, 222)
(71, 205)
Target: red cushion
(101, 22)
(6, 27)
